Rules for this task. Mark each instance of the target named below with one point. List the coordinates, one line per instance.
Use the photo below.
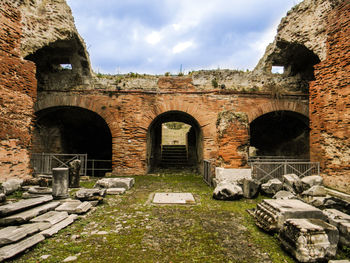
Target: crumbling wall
(330, 102)
(17, 94)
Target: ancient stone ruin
(231, 116)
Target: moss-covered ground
(129, 228)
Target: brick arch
(265, 108)
(180, 106)
(81, 102)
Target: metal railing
(43, 163)
(253, 159)
(264, 171)
(207, 172)
(98, 167)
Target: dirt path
(129, 228)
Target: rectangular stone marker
(14, 249)
(29, 214)
(12, 234)
(57, 227)
(270, 214)
(22, 205)
(74, 207)
(309, 240)
(52, 217)
(173, 198)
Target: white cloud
(153, 38)
(182, 47)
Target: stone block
(293, 181)
(74, 207)
(38, 190)
(90, 194)
(60, 182)
(232, 175)
(250, 188)
(11, 186)
(126, 183)
(309, 181)
(52, 217)
(227, 191)
(337, 203)
(272, 186)
(271, 214)
(22, 205)
(13, 234)
(316, 190)
(284, 195)
(115, 191)
(14, 249)
(2, 198)
(173, 198)
(339, 261)
(29, 214)
(309, 240)
(57, 227)
(342, 222)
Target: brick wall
(17, 93)
(330, 103)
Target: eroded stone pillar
(60, 177)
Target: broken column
(74, 176)
(60, 183)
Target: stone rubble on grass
(292, 183)
(227, 191)
(70, 258)
(22, 205)
(342, 222)
(284, 195)
(309, 181)
(309, 240)
(28, 214)
(126, 183)
(90, 194)
(74, 207)
(60, 225)
(51, 217)
(11, 186)
(115, 191)
(231, 175)
(272, 186)
(250, 188)
(270, 214)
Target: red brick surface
(330, 103)
(17, 93)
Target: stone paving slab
(74, 207)
(29, 214)
(173, 198)
(13, 234)
(22, 205)
(14, 249)
(52, 217)
(115, 191)
(57, 227)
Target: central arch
(194, 140)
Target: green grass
(138, 231)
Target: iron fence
(264, 171)
(208, 172)
(43, 163)
(98, 167)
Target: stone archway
(194, 143)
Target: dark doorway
(73, 130)
(174, 140)
(281, 133)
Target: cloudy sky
(158, 36)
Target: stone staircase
(174, 156)
(27, 222)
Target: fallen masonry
(126, 183)
(173, 198)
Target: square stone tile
(173, 198)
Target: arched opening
(281, 133)
(169, 146)
(73, 130)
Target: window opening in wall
(277, 69)
(66, 66)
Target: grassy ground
(129, 228)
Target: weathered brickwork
(17, 93)
(129, 116)
(330, 102)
